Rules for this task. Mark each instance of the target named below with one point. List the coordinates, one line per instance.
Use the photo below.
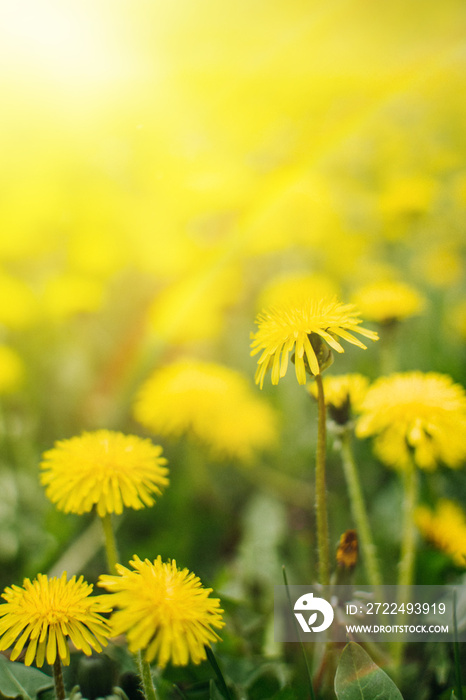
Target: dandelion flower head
(46, 612)
(386, 302)
(445, 527)
(295, 327)
(103, 469)
(212, 403)
(163, 610)
(344, 394)
(415, 416)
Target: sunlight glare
(62, 42)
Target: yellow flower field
(209, 212)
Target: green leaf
(75, 693)
(221, 683)
(20, 681)
(214, 692)
(359, 678)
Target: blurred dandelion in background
(418, 421)
(103, 470)
(344, 394)
(418, 417)
(445, 527)
(388, 302)
(209, 402)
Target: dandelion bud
(347, 551)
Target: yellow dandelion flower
(386, 302)
(212, 403)
(163, 610)
(302, 328)
(416, 416)
(103, 469)
(46, 612)
(445, 527)
(343, 393)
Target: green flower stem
(58, 679)
(303, 650)
(321, 492)
(110, 542)
(218, 672)
(358, 510)
(146, 677)
(112, 561)
(408, 549)
(408, 543)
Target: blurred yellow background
(169, 168)
(181, 139)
